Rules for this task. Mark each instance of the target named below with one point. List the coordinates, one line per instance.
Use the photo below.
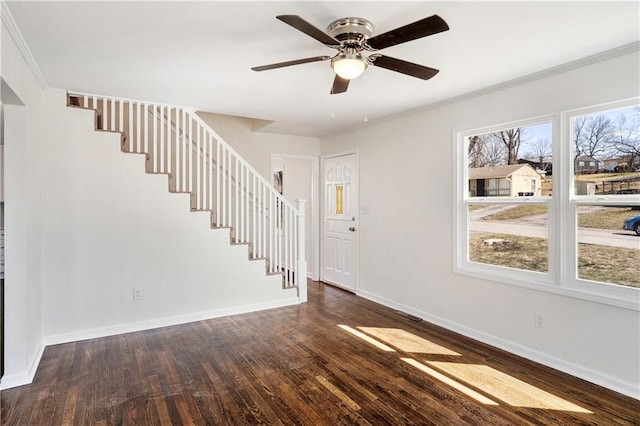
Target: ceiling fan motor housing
(350, 31)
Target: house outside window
(586, 164)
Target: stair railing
(177, 142)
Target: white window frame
(561, 278)
(607, 293)
(462, 264)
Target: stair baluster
(198, 161)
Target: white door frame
(323, 209)
(313, 258)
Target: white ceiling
(199, 54)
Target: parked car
(632, 224)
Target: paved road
(604, 237)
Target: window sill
(624, 297)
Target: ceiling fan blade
(422, 28)
(404, 67)
(301, 25)
(290, 63)
(340, 85)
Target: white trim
(356, 152)
(549, 72)
(167, 321)
(626, 388)
(14, 380)
(21, 44)
(191, 110)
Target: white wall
(405, 173)
(257, 147)
(109, 228)
(23, 185)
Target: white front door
(340, 221)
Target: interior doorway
(13, 128)
(296, 177)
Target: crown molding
(549, 72)
(16, 35)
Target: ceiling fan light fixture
(349, 65)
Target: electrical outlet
(137, 294)
(539, 321)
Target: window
(499, 236)
(495, 187)
(506, 210)
(603, 255)
(543, 209)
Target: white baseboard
(600, 379)
(20, 379)
(167, 321)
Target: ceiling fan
(352, 37)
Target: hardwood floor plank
(159, 401)
(296, 366)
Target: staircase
(179, 144)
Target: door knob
(352, 228)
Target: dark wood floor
(295, 365)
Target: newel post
(301, 267)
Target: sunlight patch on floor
(448, 381)
(406, 341)
(488, 380)
(366, 338)
(507, 388)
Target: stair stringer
(109, 228)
